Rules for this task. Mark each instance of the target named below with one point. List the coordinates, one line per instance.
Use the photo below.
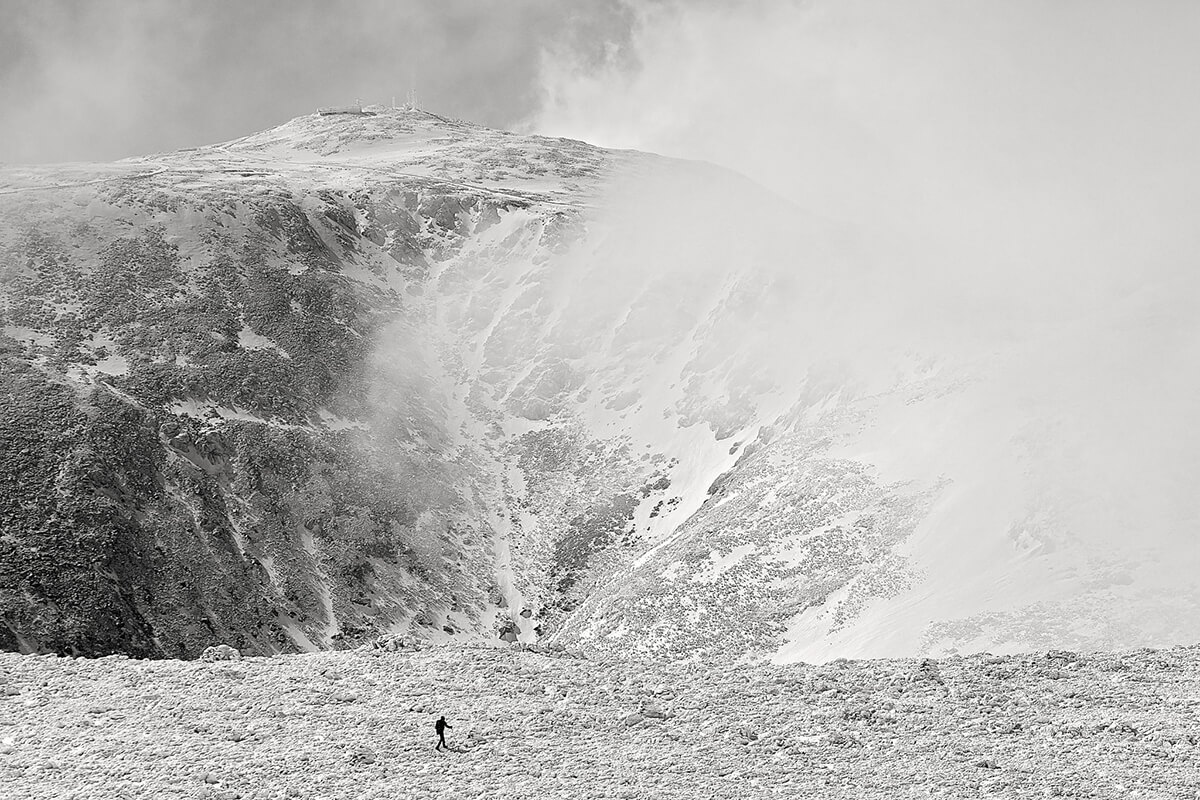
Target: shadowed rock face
(174, 471)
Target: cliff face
(392, 373)
(317, 385)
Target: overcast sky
(104, 79)
(1025, 131)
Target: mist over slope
(385, 373)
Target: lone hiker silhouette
(441, 726)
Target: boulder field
(529, 724)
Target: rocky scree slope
(525, 725)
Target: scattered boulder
(859, 714)
(362, 755)
(653, 712)
(395, 642)
(633, 720)
(843, 739)
(1063, 656)
(220, 652)
(927, 671)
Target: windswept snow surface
(526, 725)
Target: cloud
(1044, 142)
(114, 78)
(1020, 180)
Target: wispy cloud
(1025, 134)
(115, 78)
(1015, 172)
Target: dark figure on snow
(441, 725)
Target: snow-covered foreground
(360, 725)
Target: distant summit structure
(410, 104)
(357, 108)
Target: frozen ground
(526, 725)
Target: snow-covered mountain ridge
(385, 373)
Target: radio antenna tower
(411, 102)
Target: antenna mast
(412, 90)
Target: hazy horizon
(119, 78)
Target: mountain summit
(390, 373)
